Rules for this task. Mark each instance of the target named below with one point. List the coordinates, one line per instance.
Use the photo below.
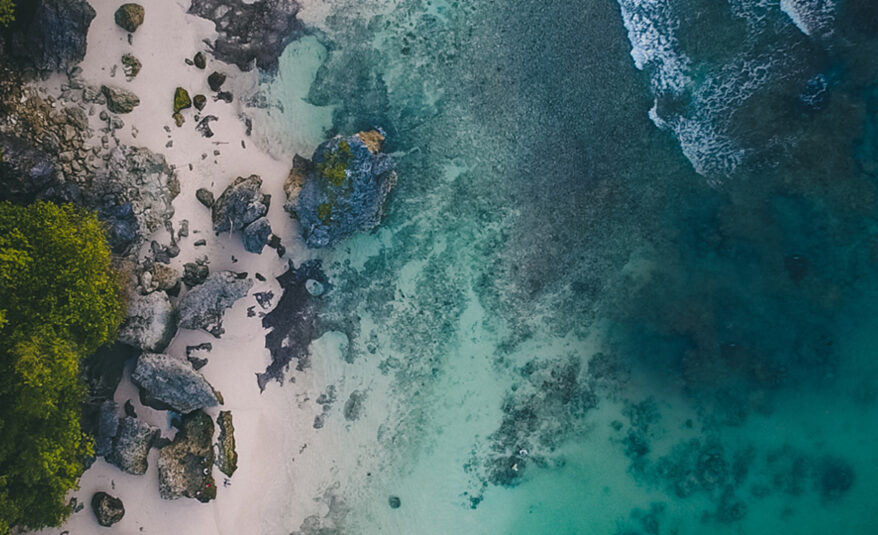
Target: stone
(200, 60)
(216, 80)
(130, 16)
(169, 383)
(131, 445)
(50, 35)
(197, 362)
(108, 509)
(130, 66)
(199, 101)
(302, 167)
(256, 235)
(205, 197)
(165, 277)
(150, 324)
(347, 190)
(203, 307)
(353, 407)
(178, 119)
(181, 99)
(250, 33)
(120, 100)
(227, 457)
(203, 126)
(195, 273)
(185, 466)
(108, 426)
(394, 502)
(239, 205)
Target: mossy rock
(181, 100)
(130, 16)
(335, 163)
(227, 457)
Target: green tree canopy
(7, 12)
(59, 301)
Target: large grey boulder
(108, 509)
(203, 307)
(120, 100)
(168, 382)
(240, 204)
(186, 465)
(151, 322)
(131, 445)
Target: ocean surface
(628, 279)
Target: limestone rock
(185, 466)
(203, 307)
(150, 324)
(195, 273)
(240, 204)
(168, 382)
(227, 457)
(131, 445)
(256, 235)
(120, 100)
(107, 509)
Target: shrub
(59, 301)
(7, 12)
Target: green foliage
(59, 301)
(324, 211)
(7, 12)
(335, 163)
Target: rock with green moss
(345, 190)
(130, 16)
(227, 457)
(181, 100)
(130, 66)
(119, 100)
(186, 464)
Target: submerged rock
(120, 100)
(256, 235)
(203, 306)
(240, 204)
(186, 464)
(347, 189)
(249, 32)
(227, 457)
(168, 382)
(130, 16)
(108, 509)
(50, 35)
(131, 445)
(150, 324)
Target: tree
(59, 301)
(7, 12)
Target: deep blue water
(615, 292)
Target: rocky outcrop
(150, 324)
(347, 189)
(227, 457)
(131, 445)
(129, 17)
(120, 100)
(203, 307)
(50, 35)
(168, 382)
(302, 167)
(185, 466)
(249, 33)
(108, 509)
(239, 205)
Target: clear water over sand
(604, 300)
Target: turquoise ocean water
(627, 280)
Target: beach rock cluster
(243, 207)
(248, 33)
(345, 191)
(51, 35)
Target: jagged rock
(168, 382)
(150, 324)
(164, 277)
(186, 465)
(216, 80)
(250, 32)
(205, 197)
(108, 509)
(203, 126)
(347, 190)
(240, 204)
(302, 167)
(200, 101)
(227, 457)
(195, 273)
(108, 426)
(181, 100)
(50, 35)
(203, 307)
(120, 100)
(130, 65)
(200, 60)
(131, 445)
(197, 362)
(256, 235)
(141, 178)
(129, 17)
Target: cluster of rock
(342, 190)
(242, 207)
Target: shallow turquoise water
(611, 299)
